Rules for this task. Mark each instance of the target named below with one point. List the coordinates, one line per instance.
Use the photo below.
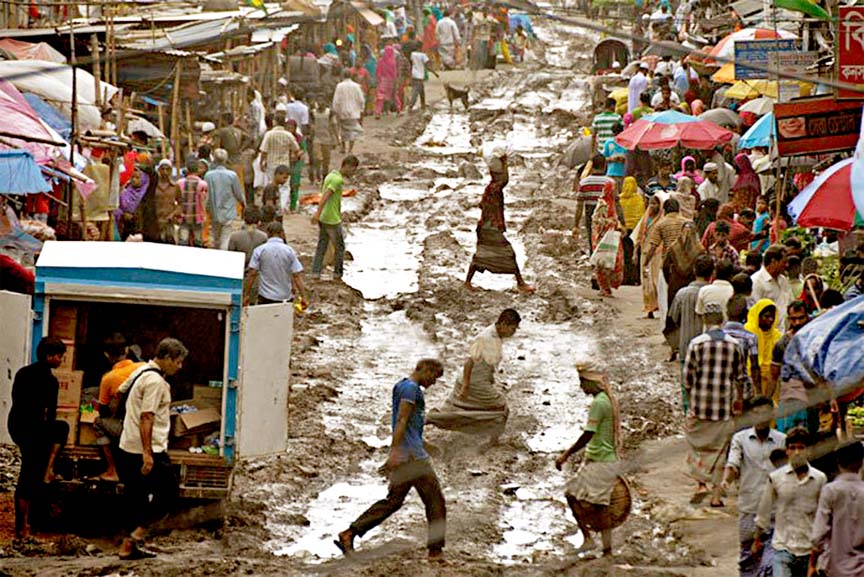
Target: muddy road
(411, 237)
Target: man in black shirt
(34, 427)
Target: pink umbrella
(671, 128)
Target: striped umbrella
(828, 200)
(725, 49)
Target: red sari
(605, 219)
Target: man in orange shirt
(107, 424)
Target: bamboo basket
(600, 518)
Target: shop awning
(372, 17)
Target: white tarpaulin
(53, 82)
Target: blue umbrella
(670, 117)
(760, 134)
(19, 173)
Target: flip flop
(718, 505)
(137, 554)
(345, 550)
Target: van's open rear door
(265, 369)
(16, 324)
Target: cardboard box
(205, 420)
(68, 363)
(185, 442)
(63, 322)
(70, 388)
(71, 417)
(210, 396)
(87, 434)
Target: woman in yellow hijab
(633, 207)
(762, 322)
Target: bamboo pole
(189, 132)
(161, 109)
(94, 57)
(175, 113)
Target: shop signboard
(758, 52)
(817, 125)
(850, 51)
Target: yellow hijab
(632, 203)
(767, 339)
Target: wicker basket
(600, 518)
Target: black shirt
(34, 401)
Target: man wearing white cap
(637, 86)
(709, 188)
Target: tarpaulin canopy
(831, 348)
(20, 119)
(31, 51)
(53, 82)
(50, 115)
(19, 173)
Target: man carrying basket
(590, 492)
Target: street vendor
(599, 472)
(476, 405)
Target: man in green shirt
(328, 217)
(598, 475)
(601, 126)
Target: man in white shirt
(709, 188)
(718, 292)
(143, 463)
(769, 282)
(792, 494)
(448, 40)
(749, 460)
(298, 112)
(419, 64)
(348, 104)
(637, 86)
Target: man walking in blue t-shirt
(408, 464)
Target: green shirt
(601, 447)
(602, 127)
(332, 211)
(641, 111)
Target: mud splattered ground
(411, 236)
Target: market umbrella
(747, 89)
(721, 117)
(671, 128)
(758, 106)
(827, 201)
(19, 173)
(761, 134)
(725, 49)
(661, 49)
(726, 74)
(805, 6)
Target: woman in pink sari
(387, 73)
(605, 219)
(747, 187)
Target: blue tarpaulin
(831, 348)
(19, 173)
(52, 117)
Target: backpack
(119, 409)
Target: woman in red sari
(387, 73)
(605, 219)
(747, 187)
(430, 36)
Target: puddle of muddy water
(386, 260)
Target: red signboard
(850, 50)
(816, 125)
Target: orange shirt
(112, 380)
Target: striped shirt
(747, 342)
(592, 188)
(683, 314)
(280, 146)
(714, 366)
(602, 127)
(667, 231)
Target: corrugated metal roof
(372, 17)
(185, 36)
(143, 256)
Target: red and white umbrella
(827, 202)
(725, 49)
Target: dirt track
(411, 237)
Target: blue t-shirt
(610, 149)
(762, 221)
(412, 442)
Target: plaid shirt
(715, 364)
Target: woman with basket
(598, 497)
